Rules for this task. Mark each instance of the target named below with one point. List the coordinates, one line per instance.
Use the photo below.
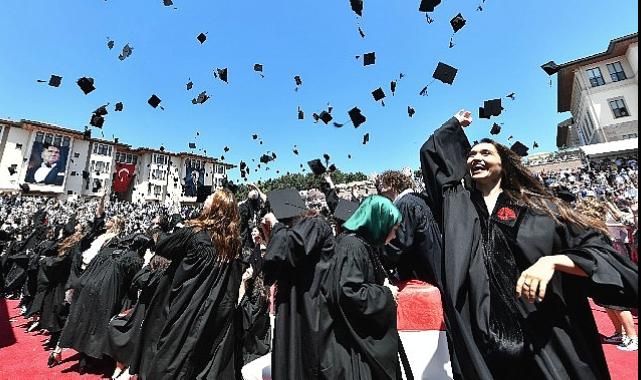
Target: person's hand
(270, 220)
(392, 288)
(464, 117)
(533, 283)
(248, 274)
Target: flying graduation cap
(299, 82)
(410, 111)
(202, 37)
(192, 145)
(550, 68)
(496, 129)
(458, 22)
(428, 5)
(369, 59)
(55, 80)
(86, 84)
(98, 116)
(490, 108)
(357, 6)
(259, 69)
(357, 117)
(317, 167)
(325, 117)
(202, 98)
(392, 87)
(301, 114)
(520, 149)
(189, 85)
(379, 95)
(222, 74)
(110, 44)
(126, 52)
(119, 106)
(445, 73)
(154, 101)
(366, 139)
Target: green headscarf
(374, 218)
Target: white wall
(12, 155)
(75, 183)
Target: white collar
(404, 193)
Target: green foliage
(300, 182)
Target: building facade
(601, 92)
(42, 158)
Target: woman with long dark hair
(518, 265)
(188, 332)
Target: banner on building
(123, 176)
(194, 180)
(47, 164)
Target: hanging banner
(123, 176)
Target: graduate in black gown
(189, 329)
(300, 247)
(364, 341)
(102, 290)
(518, 266)
(124, 343)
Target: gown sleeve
(444, 161)
(612, 278)
(174, 246)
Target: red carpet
(25, 358)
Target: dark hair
(159, 262)
(396, 180)
(522, 187)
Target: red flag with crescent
(122, 177)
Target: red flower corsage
(506, 214)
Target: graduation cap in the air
(520, 149)
(361, 32)
(190, 85)
(12, 169)
(266, 159)
(126, 52)
(202, 37)
(299, 81)
(428, 5)
(392, 87)
(366, 139)
(168, 3)
(119, 106)
(550, 68)
(98, 117)
(286, 204)
(259, 69)
(445, 73)
(154, 101)
(357, 117)
(110, 43)
(87, 133)
(222, 74)
(317, 167)
(357, 6)
(511, 95)
(496, 129)
(458, 22)
(192, 145)
(226, 149)
(55, 80)
(202, 98)
(535, 145)
(490, 108)
(344, 210)
(379, 95)
(301, 114)
(86, 84)
(410, 111)
(18, 146)
(325, 117)
(369, 59)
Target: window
(157, 190)
(159, 159)
(619, 108)
(595, 77)
(616, 71)
(40, 137)
(102, 149)
(127, 158)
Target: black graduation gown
(564, 343)
(255, 338)
(297, 261)
(35, 276)
(417, 248)
(188, 332)
(365, 342)
(100, 294)
(54, 273)
(124, 340)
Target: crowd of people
(189, 293)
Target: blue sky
(499, 51)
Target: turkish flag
(122, 177)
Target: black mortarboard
(490, 108)
(258, 68)
(295, 151)
(192, 145)
(110, 44)
(520, 149)
(202, 193)
(86, 84)
(458, 22)
(301, 114)
(445, 73)
(565, 194)
(97, 118)
(226, 149)
(326, 117)
(266, 159)
(410, 111)
(126, 52)
(357, 117)
(428, 5)
(298, 80)
(190, 85)
(366, 139)
(361, 32)
(326, 157)
(317, 167)
(482, 114)
(18, 146)
(254, 137)
(345, 209)
(369, 59)
(378, 94)
(154, 101)
(339, 125)
(222, 74)
(55, 80)
(12, 169)
(286, 204)
(511, 95)
(535, 145)
(496, 129)
(392, 87)
(550, 68)
(201, 38)
(168, 3)
(119, 106)
(357, 6)
(202, 98)
(87, 133)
